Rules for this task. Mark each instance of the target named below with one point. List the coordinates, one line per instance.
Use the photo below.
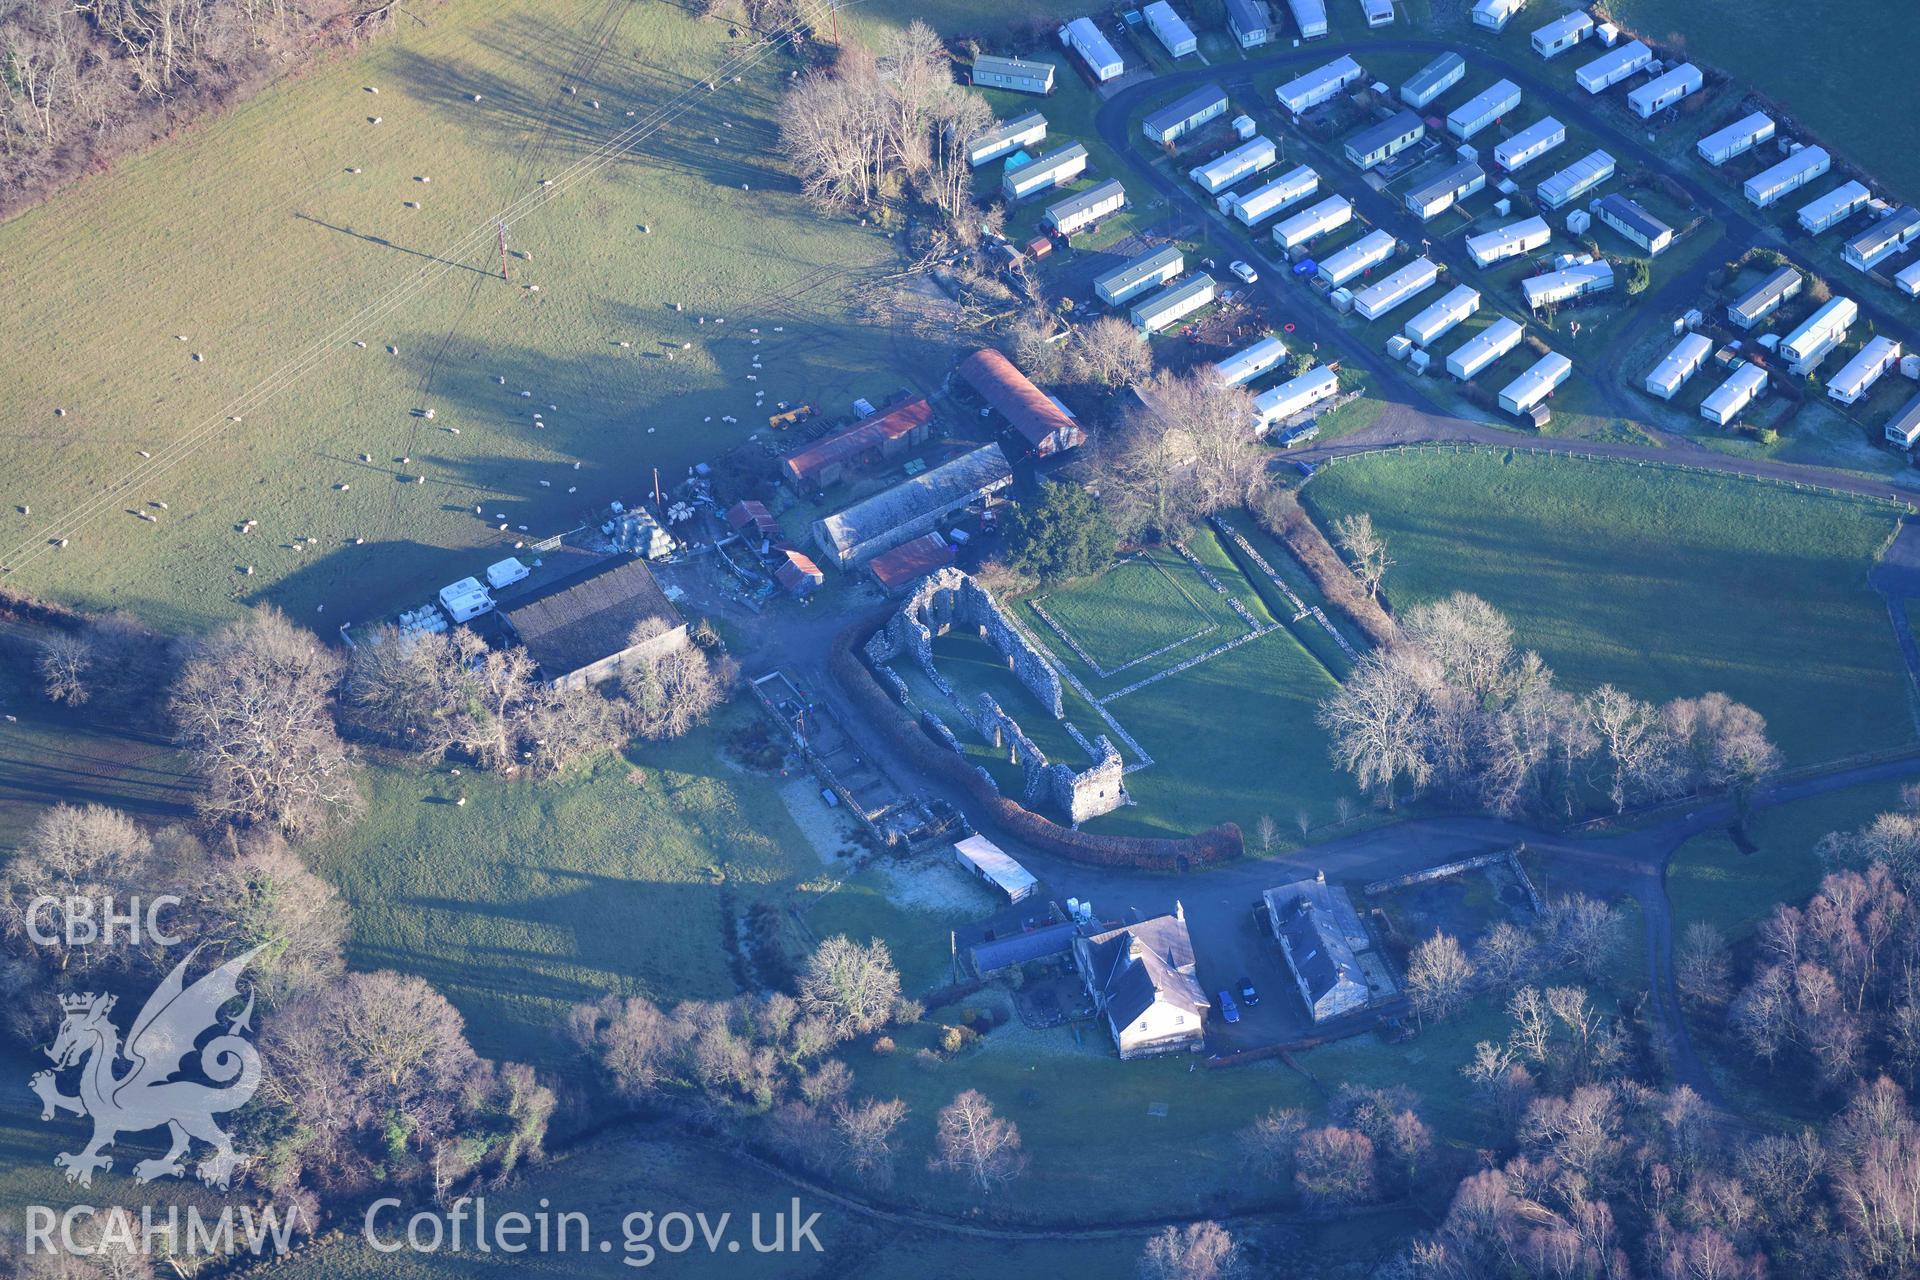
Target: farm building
(1310, 16)
(1138, 274)
(1386, 139)
(912, 507)
(1319, 932)
(1485, 347)
(1303, 93)
(1364, 254)
(1613, 66)
(1766, 298)
(991, 863)
(1908, 279)
(1903, 428)
(1728, 400)
(1250, 21)
(1681, 363)
(1141, 979)
(1494, 15)
(579, 629)
(1528, 145)
(796, 573)
(912, 560)
(1174, 35)
(1883, 239)
(1312, 223)
(1378, 13)
(1858, 375)
(1442, 191)
(1082, 209)
(1403, 286)
(1242, 162)
(1270, 198)
(1556, 287)
(1833, 208)
(1006, 138)
(1820, 333)
(1057, 167)
(1664, 90)
(1084, 38)
(1738, 138)
(1536, 384)
(1634, 221)
(1509, 241)
(1796, 171)
(1296, 395)
(1434, 79)
(1562, 34)
(1174, 302)
(828, 460)
(1019, 74)
(1032, 413)
(752, 521)
(1574, 181)
(1185, 114)
(1436, 321)
(1251, 361)
(1483, 109)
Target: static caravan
(1248, 363)
(1736, 139)
(1310, 16)
(1243, 161)
(1656, 95)
(1509, 241)
(1303, 93)
(1250, 21)
(1728, 400)
(1613, 66)
(1378, 13)
(1796, 171)
(1562, 34)
(1483, 109)
(1687, 358)
(1903, 428)
(1574, 181)
(1140, 273)
(1174, 35)
(1312, 223)
(1434, 79)
(1006, 138)
(1438, 194)
(1908, 280)
(1078, 212)
(1385, 140)
(1494, 15)
(1528, 145)
(1364, 254)
(1484, 347)
(1296, 395)
(1084, 38)
(1018, 74)
(1059, 166)
(1634, 221)
(1768, 297)
(1271, 198)
(1175, 302)
(1883, 239)
(1822, 331)
(1556, 287)
(1859, 374)
(1439, 319)
(1833, 208)
(1403, 286)
(1185, 114)
(1536, 384)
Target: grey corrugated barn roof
(578, 621)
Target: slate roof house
(580, 629)
(1141, 978)
(1318, 933)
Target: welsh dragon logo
(145, 1095)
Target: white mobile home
(1908, 279)
(1656, 95)
(1438, 194)
(1766, 298)
(1494, 15)
(1185, 114)
(1139, 274)
(1903, 428)
(1883, 239)
(1556, 287)
(1250, 21)
(1403, 286)
(1833, 208)
(1821, 332)
(1295, 396)
(1313, 222)
(1730, 398)
(1018, 74)
(1528, 145)
(1271, 198)
(1364, 254)
(1574, 181)
(1613, 66)
(1170, 30)
(1310, 16)
(1080, 211)
(1175, 302)
(1378, 13)
(1483, 109)
(1242, 162)
(1536, 384)
(1303, 93)
(1388, 138)
(1687, 358)
(1248, 363)
(1484, 347)
(1738, 138)
(1634, 221)
(1859, 374)
(1437, 320)
(1056, 168)
(1006, 138)
(1434, 79)
(1084, 38)
(1562, 34)
(1509, 241)
(1796, 171)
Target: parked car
(1248, 996)
(1245, 271)
(1228, 1009)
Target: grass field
(1128, 612)
(1665, 584)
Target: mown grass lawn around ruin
(1665, 584)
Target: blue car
(1228, 1009)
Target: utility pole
(502, 226)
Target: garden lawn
(1128, 612)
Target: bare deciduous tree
(854, 988)
(1700, 967)
(1198, 1251)
(975, 1142)
(1439, 977)
(1366, 550)
(1111, 352)
(865, 1133)
(66, 665)
(1334, 1166)
(1374, 723)
(1268, 1146)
